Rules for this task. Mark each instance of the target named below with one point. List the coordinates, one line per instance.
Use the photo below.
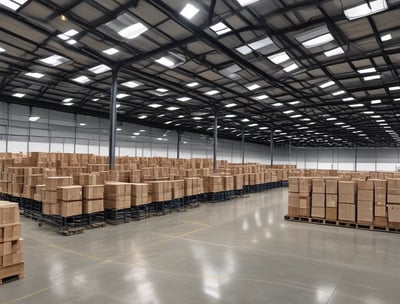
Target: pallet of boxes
(11, 263)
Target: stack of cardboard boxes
(161, 191)
(318, 198)
(331, 199)
(347, 201)
(305, 188)
(117, 195)
(393, 201)
(293, 198)
(140, 194)
(365, 202)
(380, 209)
(49, 195)
(69, 200)
(11, 263)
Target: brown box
(365, 195)
(69, 193)
(393, 199)
(10, 232)
(88, 179)
(331, 186)
(305, 202)
(380, 211)
(380, 221)
(93, 192)
(318, 185)
(53, 182)
(347, 212)
(293, 211)
(365, 185)
(346, 187)
(331, 213)
(380, 183)
(305, 185)
(347, 198)
(318, 212)
(293, 200)
(11, 259)
(50, 208)
(380, 196)
(70, 208)
(365, 212)
(9, 213)
(393, 183)
(393, 191)
(92, 206)
(293, 184)
(393, 213)
(306, 212)
(318, 200)
(331, 200)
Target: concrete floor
(239, 251)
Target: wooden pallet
(393, 227)
(11, 273)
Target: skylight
(279, 57)
(189, 11)
(172, 108)
(171, 60)
(81, 79)
(34, 75)
(131, 84)
(318, 41)
(13, 4)
(155, 105)
(19, 95)
(261, 97)
(54, 60)
(230, 105)
(133, 31)
(111, 51)
(184, 99)
(220, 28)
(372, 77)
(386, 37)
(100, 69)
(366, 9)
(367, 70)
(334, 52)
(252, 87)
(192, 84)
(327, 84)
(291, 67)
(122, 95)
(256, 45)
(212, 92)
(246, 2)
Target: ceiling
(299, 68)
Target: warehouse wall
(56, 132)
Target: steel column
(178, 145)
(113, 118)
(272, 147)
(215, 142)
(243, 138)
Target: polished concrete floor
(240, 251)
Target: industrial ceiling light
(110, 51)
(184, 99)
(54, 60)
(142, 117)
(396, 99)
(172, 108)
(246, 2)
(264, 46)
(230, 105)
(367, 71)
(230, 115)
(155, 105)
(211, 92)
(231, 71)
(34, 118)
(72, 41)
(100, 69)
(13, 4)
(386, 37)
(277, 104)
(34, 75)
(376, 101)
(326, 84)
(2, 50)
(19, 95)
(171, 61)
(67, 100)
(131, 84)
(189, 11)
(291, 67)
(161, 90)
(68, 104)
(296, 116)
(245, 120)
(356, 105)
(279, 57)
(315, 37)
(126, 26)
(348, 99)
(334, 52)
(261, 97)
(122, 95)
(372, 77)
(220, 28)
(366, 9)
(331, 118)
(263, 128)
(288, 112)
(82, 124)
(293, 103)
(133, 31)
(318, 41)
(192, 84)
(253, 125)
(197, 118)
(252, 87)
(118, 105)
(338, 93)
(81, 79)
(119, 129)
(395, 88)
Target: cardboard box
(318, 212)
(380, 211)
(347, 212)
(69, 193)
(9, 213)
(318, 185)
(381, 221)
(11, 259)
(305, 185)
(50, 208)
(347, 198)
(346, 187)
(305, 212)
(11, 232)
(393, 183)
(53, 182)
(318, 200)
(293, 184)
(331, 200)
(93, 192)
(92, 206)
(393, 213)
(70, 208)
(88, 179)
(294, 200)
(380, 196)
(365, 195)
(331, 213)
(305, 202)
(331, 186)
(393, 191)
(365, 185)
(365, 212)
(393, 199)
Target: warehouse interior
(287, 88)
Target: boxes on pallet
(365, 212)
(331, 213)
(117, 195)
(318, 185)
(393, 213)
(70, 208)
(228, 183)
(140, 194)
(347, 212)
(331, 186)
(347, 192)
(87, 179)
(69, 193)
(52, 208)
(305, 185)
(238, 181)
(92, 192)
(92, 206)
(53, 182)
(331, 200)
(294, 184)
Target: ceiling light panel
(192, 84)
(291, 67)
(279, 57)
(34, 75)
(386, 37)
(102, 68)
(366, 9)
(111, 51)
(334, 52)
(246, 2)
(372, 77)
(252, 87)
(81, 79)
(211, 92)
(126, 26)
(54, 60)
(131, 84)
(13, 4)
(220, 28)
(326, 84)
(315, 37)
(189, 11)
(171, 60)
(367, 71)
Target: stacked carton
(69, 199)
(365, 202)
(92, 198)
(178, 189)
(49, 195)
(347, 201)
(117, 195)
(293, 199)
(380, 209)
(305, 188)
(11, 262)
(161, 191)
(238, 180)
(331, 199)
(318, 198)
(393, 201)
(140, 194)
(215, 184)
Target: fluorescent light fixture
(339, 123)
(212, 92)
(118, 105)
(122, 95)
(96, 99)
(68, 104)
(34, 75)
(155, 105)
(244, 50)
(220, 28)
(19, 95)
(279, 57)
(63, 36)
(168, 122)
(13, 4)
(181, 116)
(356, 105)
(288, 112)
(380, 120)
(71, 33)
(338, 93)
(376, 101)
(142, 117)
(296, 116)
(260, 43)
(363, 10)
(263, 128)
(327, 84)
(306, 119)
(245, 120)
(171, 60)
(67, 100)
(230, 115)
(261, 97)
(334, 52)
(369, 112)
(348, 99)
(72, 41)
(192, 84)
(172, 108)
(143, 131)
(100, 69)
(161, 90)
(133, 31)
(331, 118)
(34, 118)
(2, 50)
(111, 51)
(318, 41)
(246, 2)
(81, 79)
(277, 104)
(396, 99)
(189, 11)
(230, 105)
(136, 133)
(252, 87)
(54, 60)
(197, 118)
(367, 70)
(184, 99)
(131, 84)
(82, 124)
(386, 37)
(291, 67)
(293, 103)
(372, 77)
(253, 125)
(394, 88)
(376, 116)
(119, 129)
